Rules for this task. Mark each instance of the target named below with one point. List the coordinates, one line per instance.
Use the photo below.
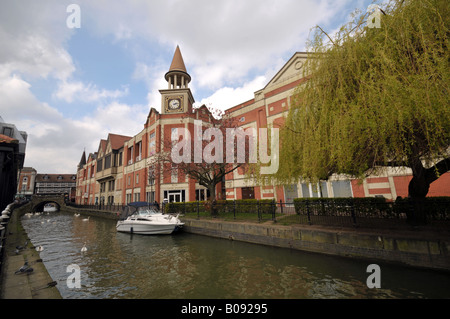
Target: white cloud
(220, 41)
(55, 143)
(69, 91)
(227, 97)
(153, 77)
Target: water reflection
(119, 265)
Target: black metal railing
(360, 212)
(345, 212)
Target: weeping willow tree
(375, 97)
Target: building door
(174, 197)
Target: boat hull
(146, 228)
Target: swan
(77, 214)
(39, 248)
(84, 248)
(86, 219)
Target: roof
(177, 61)
(117, 141)
(55, 178)
(83, 159)
(102, 145)
(7, 139)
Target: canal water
(188, 266)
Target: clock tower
(177, 98)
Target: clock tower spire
(178, 97)
(177, 77)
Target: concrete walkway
(32, 285)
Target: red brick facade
(126, 178)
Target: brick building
(12, 156)
(26, 184)
(122, 173)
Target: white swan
(84, 248)
(39, 248)
(86, 219)
(77, 214)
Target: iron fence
(345, 212)
(359, 212)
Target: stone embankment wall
(412, 248)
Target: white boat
(144, 218)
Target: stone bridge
(38, 202)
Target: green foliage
(374, 97)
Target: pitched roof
(83, 159)
(7, 139)
(117, 141)
(102, 145)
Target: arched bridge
(38, 202)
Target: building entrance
(175, 196)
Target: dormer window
(8, 131)
(60, 178)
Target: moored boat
(144, 218)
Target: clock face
(174, 104)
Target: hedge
(241, 206)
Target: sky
(70, 85)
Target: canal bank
(416, 248)
(18, 249)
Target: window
(8, 131)
(100, 165)
(138, 151)
(130, 155)
(108, 161)
(137, 178)
(59, 177)
(174, 176)
(152, 144)
(150, 197)
(120, 158)
(341, 188)
(201, 194)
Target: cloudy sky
(69, 87)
